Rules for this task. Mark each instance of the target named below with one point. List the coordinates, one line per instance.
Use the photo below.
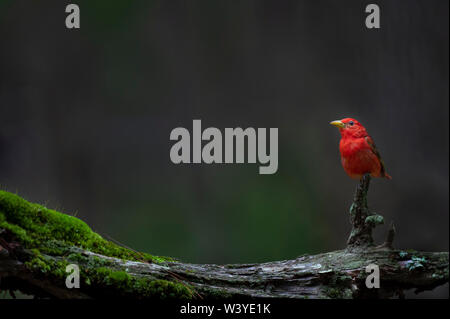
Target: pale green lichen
(403, 254)
(416, 263)
(374, 220)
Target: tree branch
(339, 274)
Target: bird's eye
(351, 123)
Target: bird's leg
(362, 220)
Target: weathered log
(36, 265)
(338, 274)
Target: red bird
(359, 155)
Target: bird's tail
(386, 175)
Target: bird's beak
(338, 124)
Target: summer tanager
(359, 155)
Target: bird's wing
(373, 147)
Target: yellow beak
(338, 124)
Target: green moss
(337, 293)
(52, 232)
(47, 266)
(338, 287)
(141, 287)
(333, 293)
(119, 282)
(51, 238)
(215, 293)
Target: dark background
(85, 118)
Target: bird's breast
(358, 158)
(350, 147)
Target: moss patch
(51, 239)
(124, 283)
(52, 232)
(47, 266)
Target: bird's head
(350, 128)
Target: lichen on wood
(362, 219)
